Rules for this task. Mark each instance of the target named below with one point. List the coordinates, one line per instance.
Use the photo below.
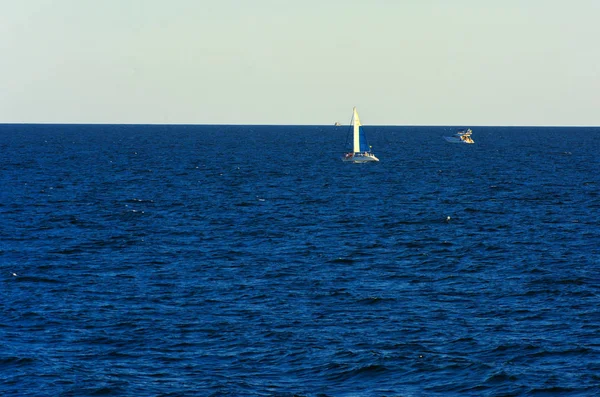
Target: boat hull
(359, 158)
(453, 139)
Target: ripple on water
(131, 265)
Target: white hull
(453, 139)
(359, 158)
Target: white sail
(356, 123)
(359, 154)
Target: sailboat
(361, 151)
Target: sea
(233, 260)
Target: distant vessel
(361, 151)
(463, 136)
(337, 124)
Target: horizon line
(306, 125)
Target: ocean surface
(250, 261)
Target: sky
(400, 62)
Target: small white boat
(361, 151)
(463, 136)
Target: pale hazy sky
(401, 62)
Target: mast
(356, 123)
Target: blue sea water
(250, 261)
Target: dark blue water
(250, 261)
